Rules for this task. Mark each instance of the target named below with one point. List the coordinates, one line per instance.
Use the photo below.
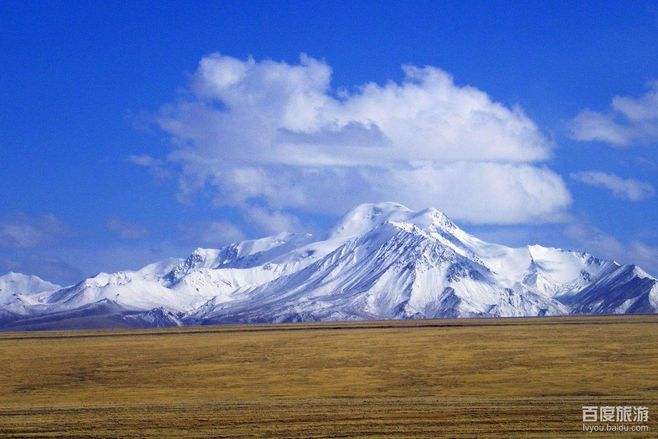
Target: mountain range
(381, 261)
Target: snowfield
(381, 261)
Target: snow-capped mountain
(381, 261)
(18, 293)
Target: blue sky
(133, 133)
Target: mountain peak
(13, 276)
(432, 217)
(19, 283)
(639, 272)
(367, 216)
(16, 275)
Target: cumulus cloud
(628, 120)
(23, 231)
(604, 245)
(519, 192)
(280, 135)
(627, 188)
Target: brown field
(467, 378)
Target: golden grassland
(433, 378)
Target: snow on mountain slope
(366, 217)
(409, 265)
(17, 283)
(621, 289)
(155, 318)
(18, 291)
(134, 290)
(182, 285)
(245, 254)
(556, 272)
(380, 261)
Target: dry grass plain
(456, 378)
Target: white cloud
(482, 192)
(23, 231)
(604, 245)
(157, 167)
(629, 120)
(272, 221)
(628, 188)
(278, 134)
(213, 234)
(125, 230)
